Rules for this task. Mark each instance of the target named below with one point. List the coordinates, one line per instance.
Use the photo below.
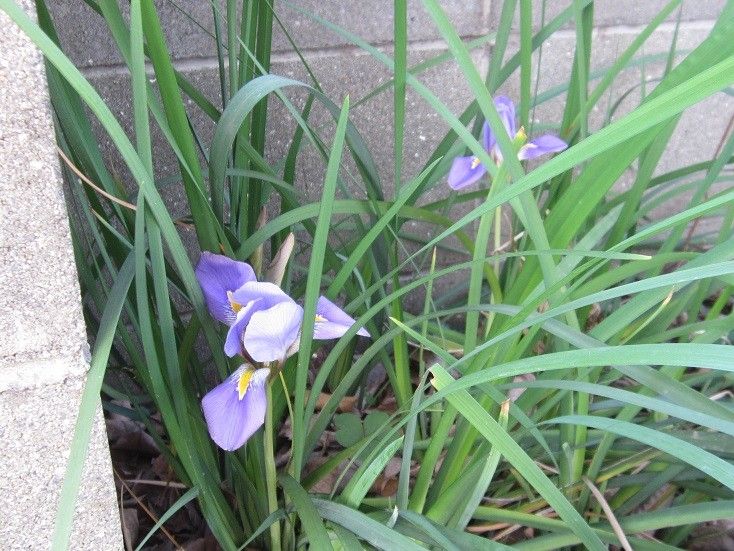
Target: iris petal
(271, 332)
(488, 139)
(254, 296)
(506, 110)
(465, 171)
(233, 343)
(542, 145)
(231, 421)
(218, 274)
(332, 322)
(268, 294)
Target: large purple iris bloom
(262, 319)
(264, 323)
(235, 409)
(468, 170)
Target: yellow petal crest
(244, 382)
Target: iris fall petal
(465, 171)
(232, 421)
(542, 145)
(332, 322)
(217, 275)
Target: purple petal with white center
(218, 274)
(542, 145)
(465, 171)
(271, 332)
(332, 322)
(506, 110)
(488, 139)
(231, 421)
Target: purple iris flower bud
(235, 409)
(468, 170)
(219, 276)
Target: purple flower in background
(235, 409)
(468, 170)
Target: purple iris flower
(263, 320)
(468, 170)
(265, 323)
(235, 409)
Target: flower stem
(270, 472)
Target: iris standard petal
(542, 145)
(232, 421)
(218, 274)
(271, 332)
(488, 139)
(253, 296)
(506, 110)
(233, 342)
(267, 294)
(465, 171)
(332, 322)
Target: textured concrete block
(40, 312)
(36, 427)
(619, 12)
(373, 20)
(189, 26)
(43, 352)
(634, 12)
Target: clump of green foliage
(614, 325)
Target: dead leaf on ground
(130, 526)
(129, 435)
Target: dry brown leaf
(126, 434)
(130, 526)
(346, 404)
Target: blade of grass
(190, 495)
(313, 285)
(89, 404)
(318, 538)
(373, 532)
(493, 432)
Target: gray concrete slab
(43, 353)
(36, 427)
(189, 26)
(619, 12)
(40, 312)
